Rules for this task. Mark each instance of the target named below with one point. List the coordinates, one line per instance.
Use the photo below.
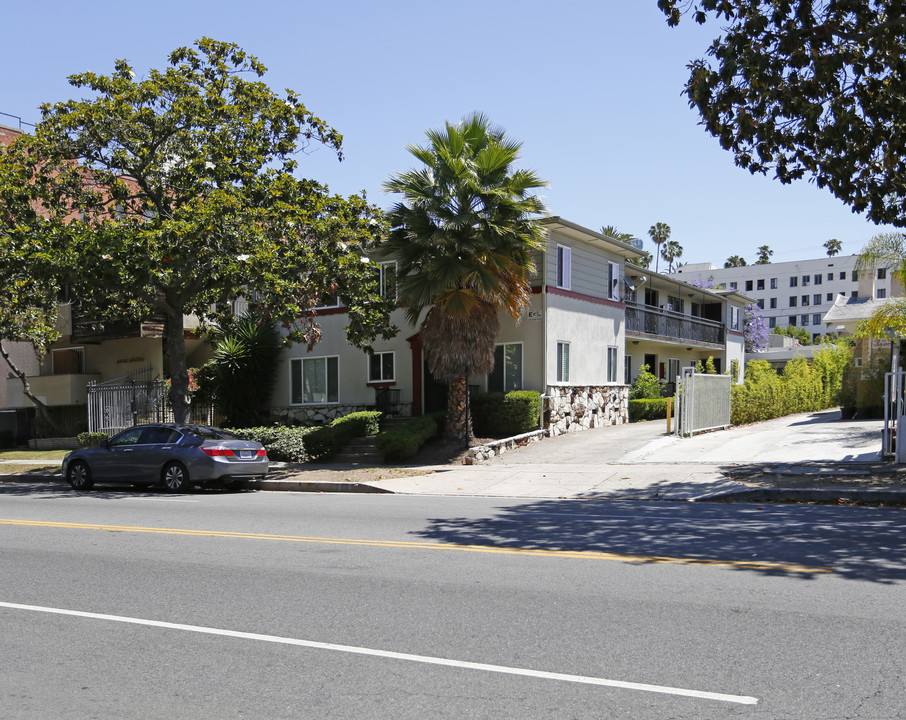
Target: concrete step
(360, 450)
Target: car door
(155, 448)
(114, 460)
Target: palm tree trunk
(458, 427)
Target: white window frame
(368, 359)
(521, 364)
(564, 267)
(562, 362)
(881, 293)
(301, 361)
(613, 367)
(336, 303)
(734, 318)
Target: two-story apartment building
(594, 319)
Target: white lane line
(427, 659)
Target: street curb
(313, 486)
(805, 495)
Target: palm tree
(671, 251)
(833, 246)
(764, 255)
(463, 237)
(611, 231)
(659, 233)
(735, 261)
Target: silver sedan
(174, 456)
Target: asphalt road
(134, 604)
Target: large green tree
(671, 251)
(659, 234)
(808, 89)
(189, 200)
(764, 255)
(464, 234)
(833, 246)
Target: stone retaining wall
(480, 453)
(570, 409)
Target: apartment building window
(882, 273)
(829, 297)
(794, 281)
(563, 267)
(734, 318)
(759, 284)
(387, 279)
(507, 372)
(830, 276)
(805, 301)
(843, 275)
(68, 361)
(818, 278)
(806, 279)
(793, 300)
(816, 319)
(791, 320)
(651, 297)
(880, 293)
(676, 304)
(329, 301)
(760, 303)
(854, 293)
(673, 369)
(749, 285)
(611, 364)
(773, 303)
(314, 380)
(563, 362)
(773, 283)
(855, 275)
(381, 367)
(816, 299)
(804, 319)
(613, 279)
(772, 322)
(733, 286)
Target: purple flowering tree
(756, 331)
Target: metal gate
(115, 406)
(702, 402)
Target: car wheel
(175, 477)
(79, 476)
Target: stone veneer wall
(570, 409)
(324, 414)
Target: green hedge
(359, 424)
(497, 414)
(282, 443)
(403, 441)
(803, 387)
(90, 439)
(648, 409)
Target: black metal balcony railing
(86, 331)
(676, 326)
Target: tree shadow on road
(860, 543)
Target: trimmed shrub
(282, 443)
(90, 439)
(496, 414)
(646, 386)
(359, 424)
(403, 441)
(648, 409)
(323, 442)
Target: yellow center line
(573, 554)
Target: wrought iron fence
(115, 407)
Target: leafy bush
(282, 443)
(324, 442)
(648, 409)
(403, 441)
(496, 414)
(646, 386)
(90, 439)
(359, 424)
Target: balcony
(83, 331)
(654, 323)
(54, 390)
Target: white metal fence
(702, 402)
(894, 414)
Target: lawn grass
(27, 469)
(50, 455)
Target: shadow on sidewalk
(859, 543)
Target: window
(611, 364)
(734, 318)
(387, 279)
(651, 297)
(855, 276)
(816, 319)
(563, 267)
(627, 370)
(314, 380)
(675, 304)
(816, 338)
(381, 367)
(772, 322)
(792, 320)
(804, 320)
(329, 301)
(793, 300)
(673, 369)
(733, 286)
(794, 281)
(805, 300)
(806, 279)
(563, 362)
(773, 303)
(882, 273)
(760, 303)
(881, 293)
(829, 297)
(830, 276)
(843, 275)
(507, 372)
(818, 278)
(816, 299)
(773, 283)
(749, 285)
(854, 293)
(760, 284)
(613, 278)
(69, 361)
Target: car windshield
(211, 433)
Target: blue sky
(593, 89)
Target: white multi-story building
(799, 292)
